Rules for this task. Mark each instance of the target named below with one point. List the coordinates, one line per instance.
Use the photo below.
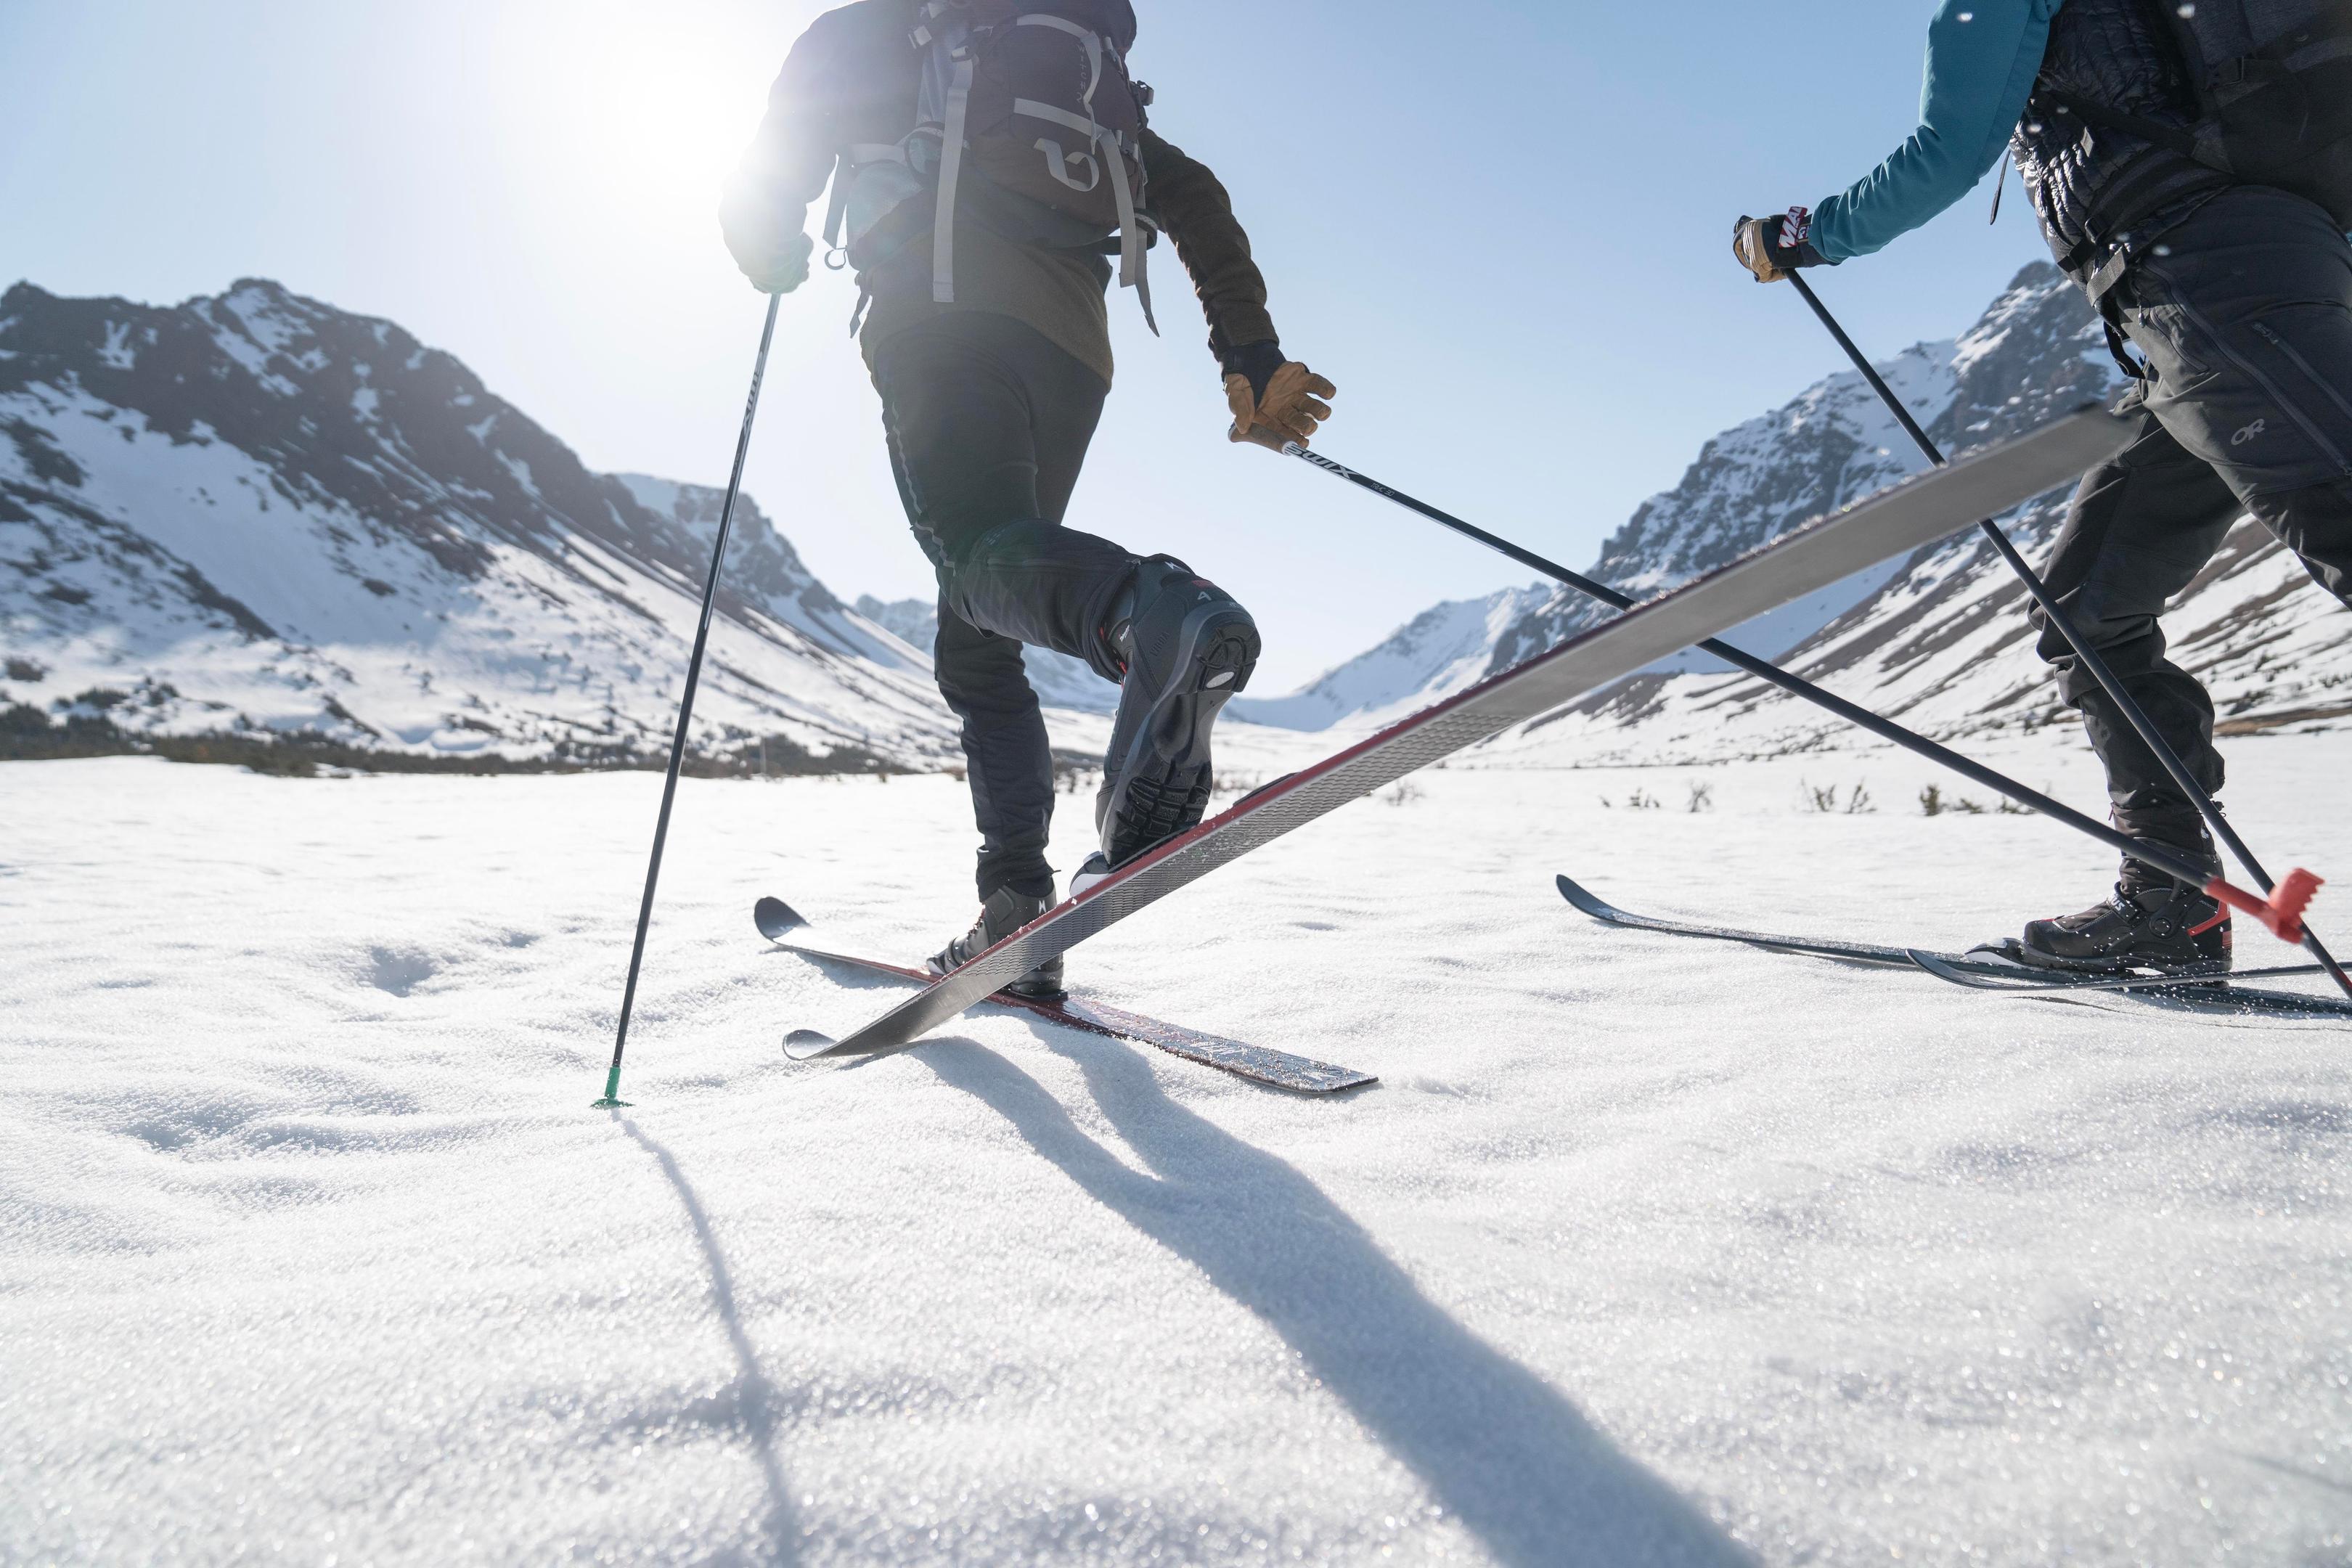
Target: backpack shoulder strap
(950, 170)
(851, 159)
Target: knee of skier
(979, 673)
(2316, 524)
(979, 695)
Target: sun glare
(640, 110)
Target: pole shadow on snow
(753, 1401)
(1497, 1447)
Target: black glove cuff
(1257, 362)
(1774, 232)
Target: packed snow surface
(313, 1252)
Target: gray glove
(772, 247)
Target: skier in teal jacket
(1982, 58)
(2238, 298)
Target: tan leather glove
(1772, 247)
(1289, 406)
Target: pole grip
(2282, 912)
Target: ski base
(1279, 1070)
(1984, 974)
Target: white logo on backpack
(1057, 164)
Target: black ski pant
(2244, 316)
(988, 423)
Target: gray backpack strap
(838, 212)
(1134, 263)
(929, 14)
(950, 169)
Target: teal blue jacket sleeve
(1982, 58)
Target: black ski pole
(2281, 914)
(2089, 657)
(685, 708)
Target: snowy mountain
(1434, 655)
(257, 515)
(1060, 681)
(1941, 640)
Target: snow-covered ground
(312, 1251)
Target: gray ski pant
(2245, 315)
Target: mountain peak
(290, 517)
(1940, 639)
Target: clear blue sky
(1502, 229)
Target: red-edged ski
(775, 918)
(1988, 974)
(1917, 512)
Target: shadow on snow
(1497, 1447)
(753, 1396)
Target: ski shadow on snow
(1497, 1447)
(754, 1398)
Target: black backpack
(1026, 121)
(2272, 85)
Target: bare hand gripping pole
(2088, 656)
(686, 707)
(2281, 913)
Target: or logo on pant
(2248, 434)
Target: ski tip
(1576, 893)
(807, 1044)
(774, 918)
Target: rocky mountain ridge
(253, 515)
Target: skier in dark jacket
(2239, 299)
(989, 400)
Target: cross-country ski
(1169, 533)
(777, 920)
(1993, 970)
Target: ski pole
(2089, 657)
(685, 708)
(2281, 913)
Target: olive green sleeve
(1192, 207)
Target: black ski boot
(1186, 647)
(1005, 912)
(2146, 925)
